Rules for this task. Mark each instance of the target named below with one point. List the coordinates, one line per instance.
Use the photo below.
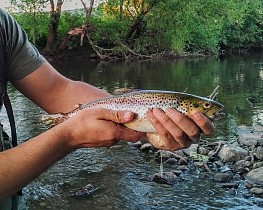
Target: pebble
(229, 185)
(164, 178)
(256, 191)
(223, 177)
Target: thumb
(118, 116)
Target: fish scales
(140, 102)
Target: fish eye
(207, 105)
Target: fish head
(210, 108)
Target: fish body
(140, 102)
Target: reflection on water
(123, 173)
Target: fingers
(116, 116)
(204, 123)
(172, 136)
(185, 124)
(119, 131)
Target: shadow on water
(122, 173)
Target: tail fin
(51, 120)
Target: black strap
(11, 118)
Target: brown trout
(140, 102)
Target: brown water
(122, 172)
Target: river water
(123, 173)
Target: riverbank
(236, 166)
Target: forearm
(22, 164)
(55, 93)
(75, 93)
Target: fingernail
(197, 115)
(128, 116)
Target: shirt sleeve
(22, 57)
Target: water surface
(122, 172)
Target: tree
(53, 27)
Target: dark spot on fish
(195, 105)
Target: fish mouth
(217, 115)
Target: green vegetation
(162, 27)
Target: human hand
(175, 130)
(97, 127)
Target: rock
(257, 165)
(230, 153)
(192, 148)
(146, 147)
(136, 144)
(219, 163)
(229, 185)
(183, 161)
(248, 184)
(223, 177)
(85, 191)
(256, 175)
(171, 161)
(248, 158)
(259, 153)
(256, 191)
(183, 168)
(232, 191)
(237, 178)
(203, 151)
(240, 165)
(248, 139)
(164, 178)
(177, 172)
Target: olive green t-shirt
(18, 57)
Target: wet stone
(256, 191)
(146, 147)
(164, 178)
(248, 184)
(229, 185)
(177, 172)
(241, 165)
(137, 144)
(257, 165)
(203, 151)
(171, 161)
(237, 177)
(256, 175)
(182, 168)
(259, 153)
(231, 153)
(223, 177)
(232, 191)
(85, 191)
(219, 163)
(183, 161)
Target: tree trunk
(53, 27)
(87, 10)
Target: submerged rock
(164, 178)
(85, 191)
(223, 177)
(256, 191)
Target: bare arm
(89, 128)
(55, 93)
(22, 164)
